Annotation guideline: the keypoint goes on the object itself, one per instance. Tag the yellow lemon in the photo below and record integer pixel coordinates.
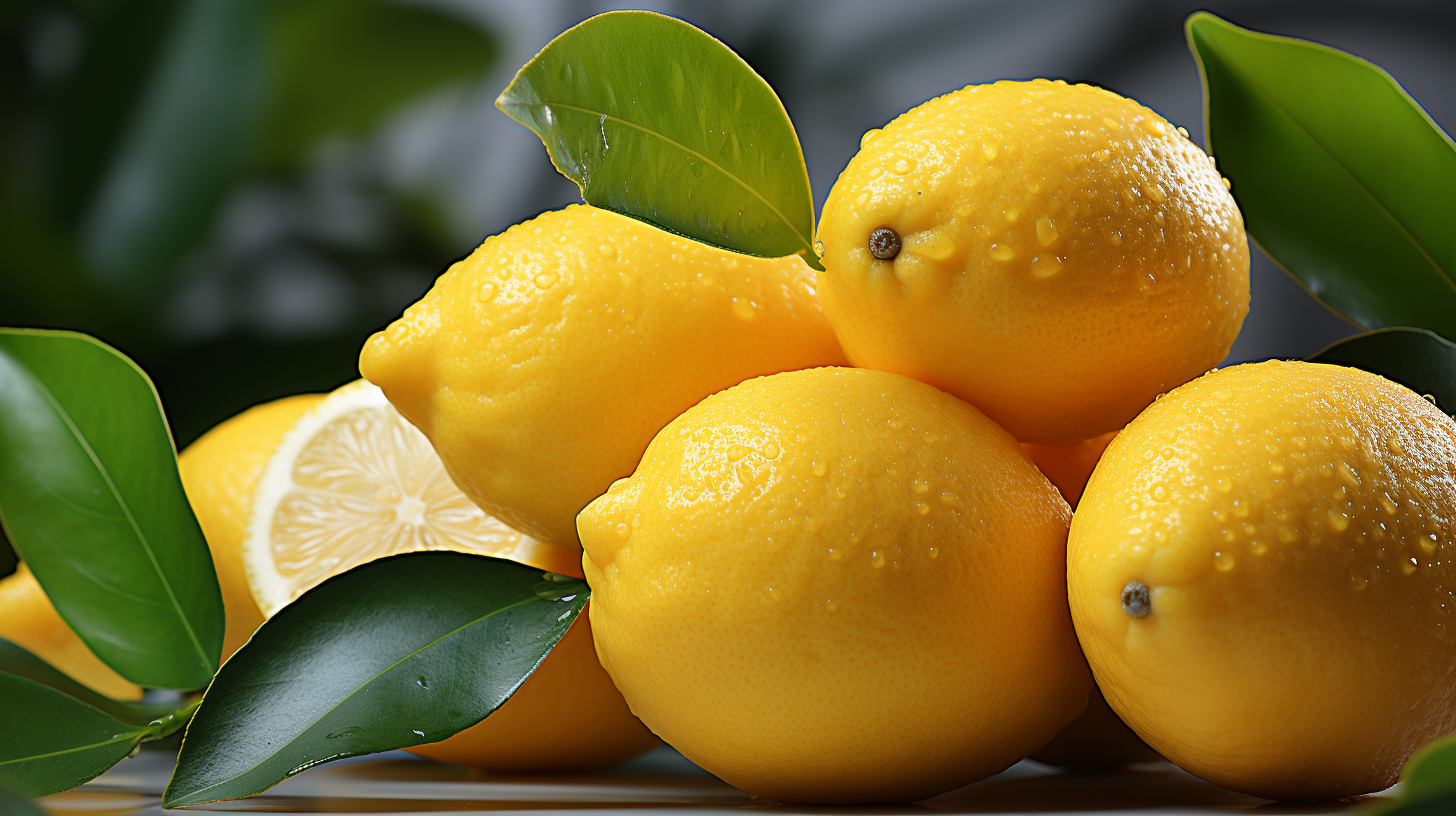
(1261, 573)
(30, 621)
(837, 586)
(1056, 254)
(541, 366)
(219, 472)
(1097, 740)
(352, 481)
(1069, 466)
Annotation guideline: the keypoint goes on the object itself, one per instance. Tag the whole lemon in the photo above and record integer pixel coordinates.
(541, 366)
(219, 472)
(1056, 254)
(837, 586)
(29, 620)
(1261, 574)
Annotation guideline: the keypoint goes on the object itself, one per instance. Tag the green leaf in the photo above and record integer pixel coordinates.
(341, 66)
(185, 144)
(657, 120)
(91, 499)
(21, 663)
(1431, 772)
(1341, 176)
(50, 741)
(12, 804)
(401, 651)
(1418, 359)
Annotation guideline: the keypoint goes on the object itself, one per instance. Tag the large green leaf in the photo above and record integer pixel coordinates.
(21, 663)
(657, 120)
(12, 804)
(1418, 359)
(50, 741)
(402, 651)
(340, 66)
(1431, 773)
(185, 144)
(1341, 176)
(91, 499)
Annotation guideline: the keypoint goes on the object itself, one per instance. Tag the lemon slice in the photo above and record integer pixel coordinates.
(353, 481)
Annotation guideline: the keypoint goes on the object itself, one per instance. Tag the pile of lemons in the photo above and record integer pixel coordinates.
(840, 584)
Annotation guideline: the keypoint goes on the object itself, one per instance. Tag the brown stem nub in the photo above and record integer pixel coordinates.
(884, 243)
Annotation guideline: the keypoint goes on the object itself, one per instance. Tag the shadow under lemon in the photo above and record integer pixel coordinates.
(1098, 740)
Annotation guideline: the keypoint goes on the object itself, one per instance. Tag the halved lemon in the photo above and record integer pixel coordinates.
(354, 481)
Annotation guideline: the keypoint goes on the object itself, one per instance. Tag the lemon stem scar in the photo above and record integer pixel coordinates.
(884, 243)
(1135, 599)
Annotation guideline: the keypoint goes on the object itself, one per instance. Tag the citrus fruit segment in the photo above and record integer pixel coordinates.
(353, 481)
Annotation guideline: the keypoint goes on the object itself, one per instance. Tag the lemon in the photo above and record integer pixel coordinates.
(541, 366)
(352, 481)
(1261, 574)
(1069, 466)
(1056, 254)
(30, 621)
(219, 472)
(567, 717)
(837, 586)
(1096, 741)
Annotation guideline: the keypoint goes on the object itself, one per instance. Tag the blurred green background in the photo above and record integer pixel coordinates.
(236, 193)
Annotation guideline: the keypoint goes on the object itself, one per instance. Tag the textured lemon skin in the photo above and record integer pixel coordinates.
(566, 718)
(541, 366)
(1067, 256)
(219, 472)
(1294, 524)
(30, 621)
(837, 586)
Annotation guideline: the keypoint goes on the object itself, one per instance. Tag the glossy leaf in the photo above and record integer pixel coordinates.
(1342, 178)
(1431, 773)
(657, 120)
(91, 500)
(21, 663)
(341, 66)
(12, 804)
(185, 144)
(1418, 359)
(50, 741)
(401, 651)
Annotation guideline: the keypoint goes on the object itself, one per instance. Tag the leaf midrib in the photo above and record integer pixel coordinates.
(740, 182)
(1268, 97)
(137, 733)
(131, 519)
(391, 667)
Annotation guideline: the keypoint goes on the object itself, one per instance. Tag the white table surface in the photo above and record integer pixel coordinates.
(659, 783)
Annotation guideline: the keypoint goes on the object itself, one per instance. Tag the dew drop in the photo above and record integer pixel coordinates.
(877, 559)
(1395, 446)
(989, 151)
(1002, 252)
(1339, 522)
(1223, 561)
(770, 451)
(1045, 267)
(737, 452)
(486, 293)
(903, 165)
(1046, 231)
(546, 280)
(868, 137)
(921, 486)
(608, 252)
(1408, 567)
(744, 310)
(820, 468)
